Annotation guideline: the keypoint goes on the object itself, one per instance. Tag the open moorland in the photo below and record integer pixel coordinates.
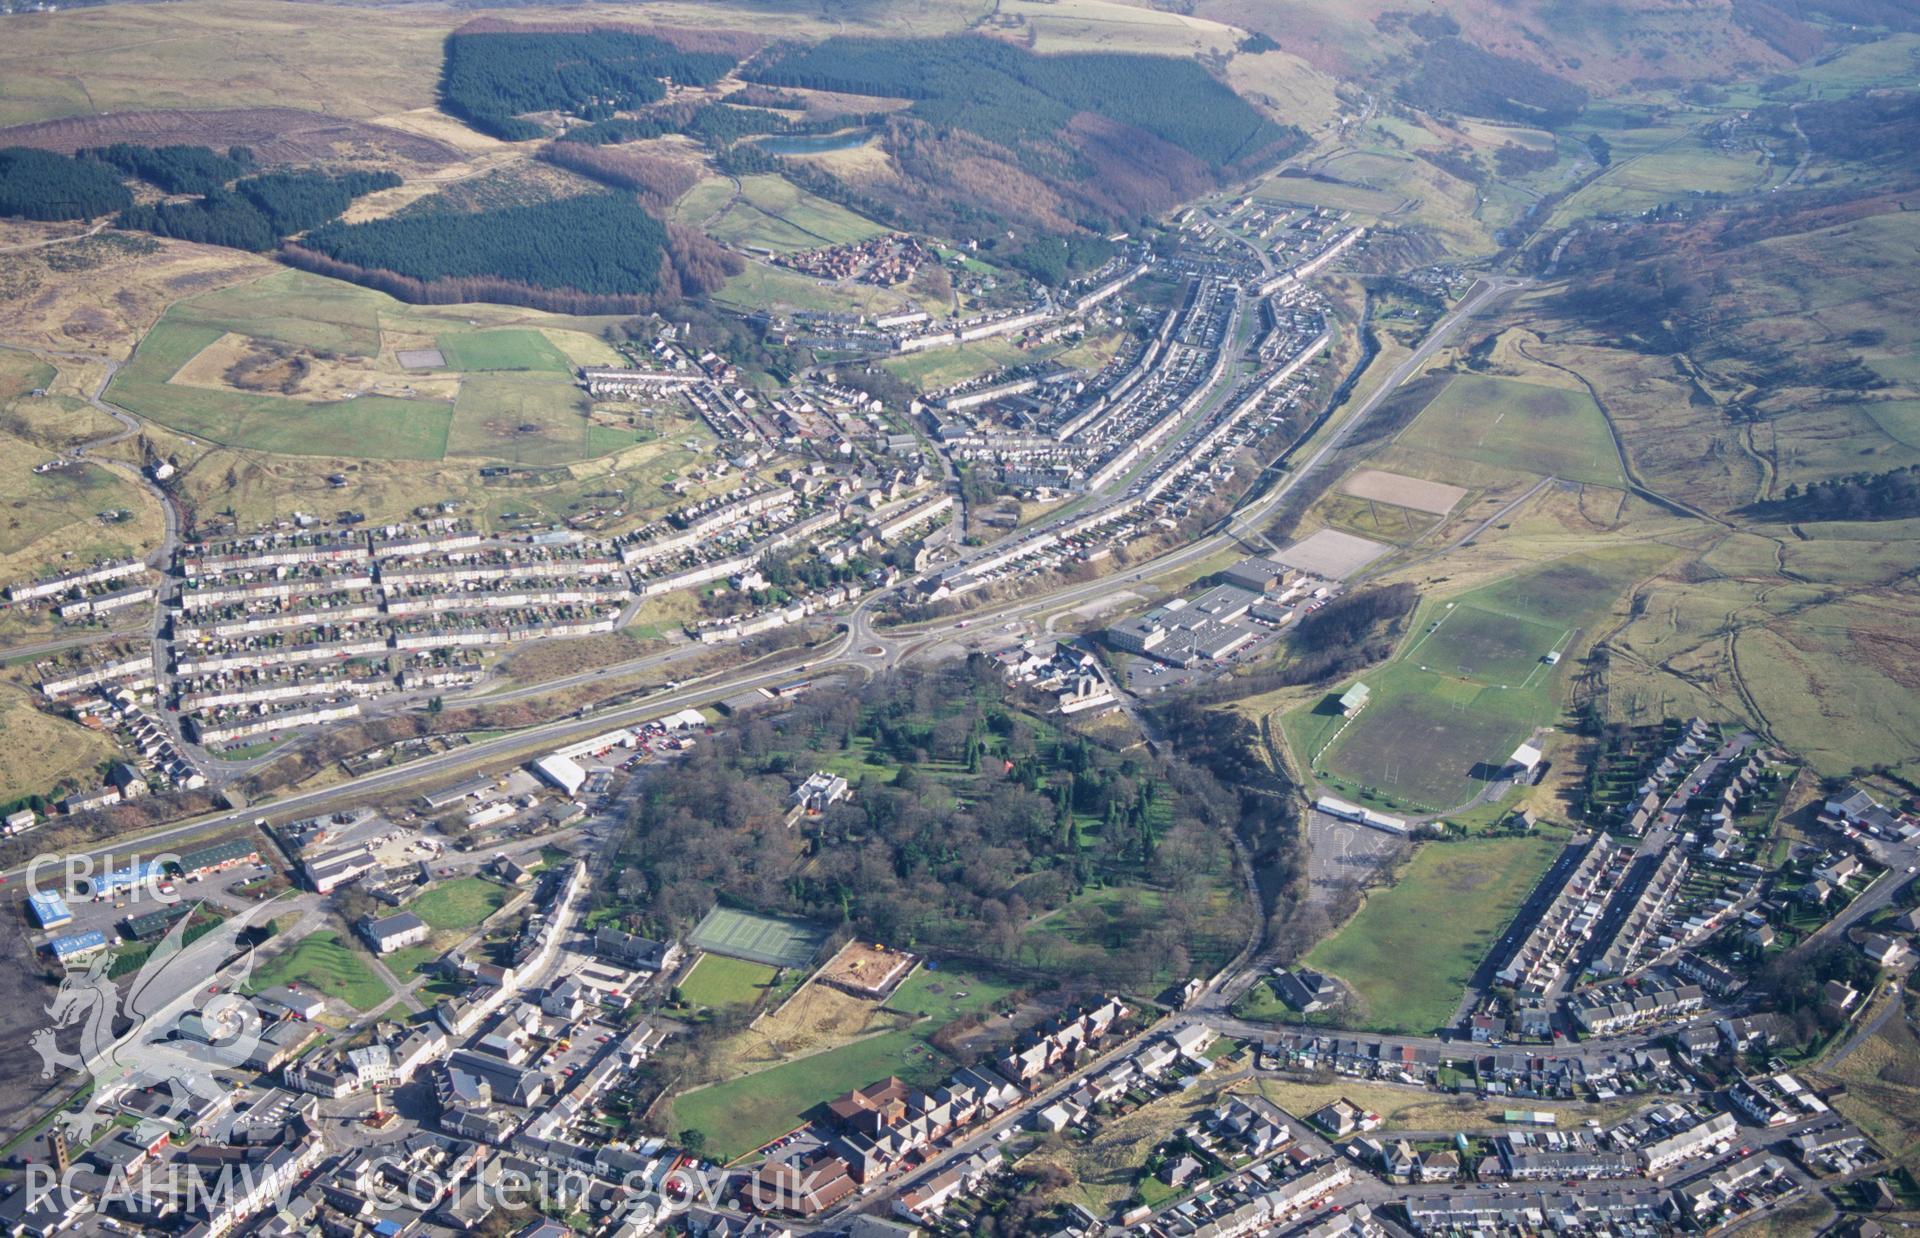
(1556, 431)
(54, 508)
(1798, 627)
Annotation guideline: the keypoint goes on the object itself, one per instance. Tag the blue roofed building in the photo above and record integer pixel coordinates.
(124, 878)
(77, 945)
(49, 910)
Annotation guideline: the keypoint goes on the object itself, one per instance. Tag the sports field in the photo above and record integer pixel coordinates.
(1498, 650)
(1419, 743)
(1410, 951)
(1466, 690)
(1528, 427)
(772, 940)
(325, 962)
(717, 981)
(1470, 685)
(509, 349)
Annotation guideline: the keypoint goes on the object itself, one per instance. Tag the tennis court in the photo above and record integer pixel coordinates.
(772, 940)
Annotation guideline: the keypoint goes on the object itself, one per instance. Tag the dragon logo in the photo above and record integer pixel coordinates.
(169, 1040)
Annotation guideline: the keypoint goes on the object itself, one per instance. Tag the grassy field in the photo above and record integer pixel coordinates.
(536, 417)
(1418, 1109)
(823, 1042)
(510, 349)
(1101, 1172)
(1684, 167)
(717, 981)
(410, 961)
(1813, 659)
(773, 214)
(1092, 25)
(742, 1114)
(855, 762)
(939, 368)
(506, 393)
(373, 427)
(1410, 951)
(1469, 686)
(293, 307)
(1806, 631)
(1821, 675)
(762, 286)
(79, 63)
(1419, 743)
(1374, 520)
(50, 420)
(1883, 1090)
(704, 200)
(230, 54)
(102, 295)
(1375, 173)
(325, 962)
(1487, 645)
(460, 904)
(1887, 62)
(1300, 191)
(632, 480)
(1552, 431)
(39, 751)
(54, 518)
(946, 991)
(818, 1017)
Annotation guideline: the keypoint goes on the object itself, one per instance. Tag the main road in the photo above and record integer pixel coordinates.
(860, 648)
